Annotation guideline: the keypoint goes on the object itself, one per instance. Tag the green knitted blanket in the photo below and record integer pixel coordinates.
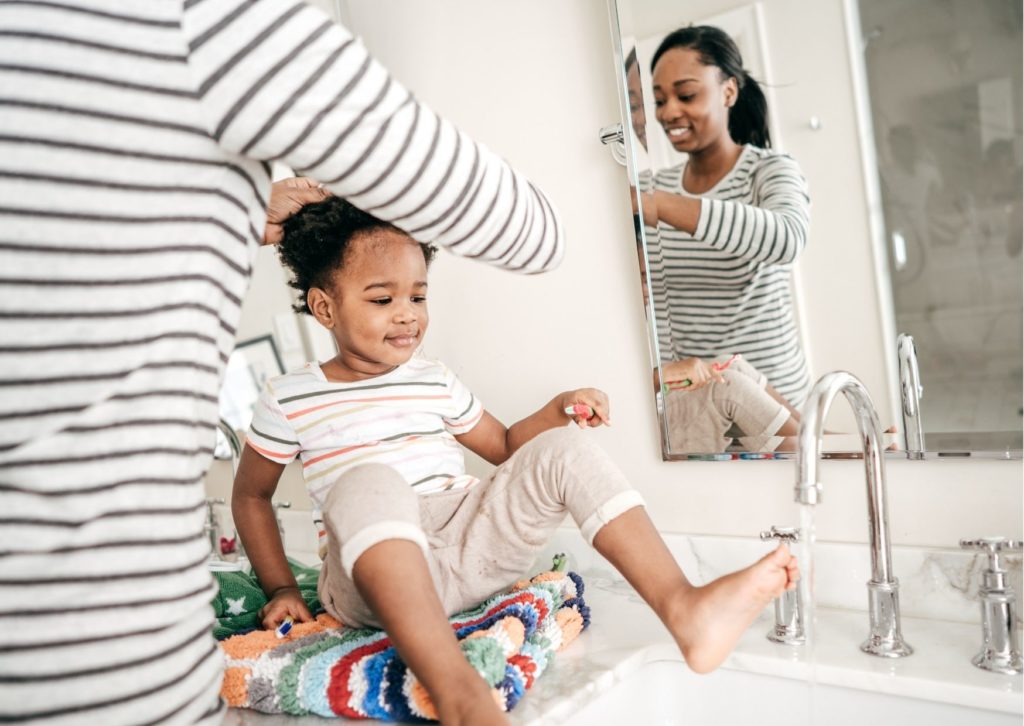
(240, 597)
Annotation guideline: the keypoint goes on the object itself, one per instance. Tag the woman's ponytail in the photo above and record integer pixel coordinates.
(748, 118)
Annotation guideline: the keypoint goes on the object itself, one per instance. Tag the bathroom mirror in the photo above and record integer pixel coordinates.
(904, 118)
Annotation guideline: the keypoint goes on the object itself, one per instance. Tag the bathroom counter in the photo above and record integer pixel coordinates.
(939, 670)
(626, 636)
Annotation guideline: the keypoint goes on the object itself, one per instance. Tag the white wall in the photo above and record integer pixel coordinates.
(534, 81)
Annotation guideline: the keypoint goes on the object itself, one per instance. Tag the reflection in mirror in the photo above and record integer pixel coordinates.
(948, 135)
(736, 125)
(250, 366)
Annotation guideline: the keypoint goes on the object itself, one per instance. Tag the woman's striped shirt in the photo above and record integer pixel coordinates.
(726, 288)
(407, 419)
(135, 141)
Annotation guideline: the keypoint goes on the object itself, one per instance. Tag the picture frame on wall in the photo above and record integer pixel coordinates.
(250, 366)
(262, 358)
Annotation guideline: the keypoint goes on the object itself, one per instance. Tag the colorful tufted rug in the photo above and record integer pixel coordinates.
(325, 669)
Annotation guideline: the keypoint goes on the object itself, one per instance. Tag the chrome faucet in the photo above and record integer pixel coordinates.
(278, 506)
(233, 444)
(789, 615)
(212, 528)
(885, 638)
(235, 448)
(1000, 651)
(910, 395)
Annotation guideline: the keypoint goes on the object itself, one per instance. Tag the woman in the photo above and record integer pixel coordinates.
(730, 221)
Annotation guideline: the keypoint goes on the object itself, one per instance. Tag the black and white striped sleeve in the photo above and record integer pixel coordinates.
(773, 229)
(278, 80)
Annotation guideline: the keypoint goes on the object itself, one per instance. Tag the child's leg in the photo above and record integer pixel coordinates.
(561, 470)
(395, 580)
(694, 423)
(705, 621)
(379, 571)
(740, 365)
(743, 400)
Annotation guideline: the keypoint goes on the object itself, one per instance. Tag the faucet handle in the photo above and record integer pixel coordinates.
(993, 547)
(789, 613)
(210, 503)
(278, 506)
(999, 650)
(282, 505)
(783, 534)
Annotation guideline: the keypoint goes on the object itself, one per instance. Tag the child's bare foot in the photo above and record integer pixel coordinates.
(710, 619)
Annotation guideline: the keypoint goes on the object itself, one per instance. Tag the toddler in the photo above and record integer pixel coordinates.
(407, 536)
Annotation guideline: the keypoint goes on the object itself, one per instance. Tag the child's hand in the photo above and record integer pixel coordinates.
(583, 399)
(689, 374)
(286, 602)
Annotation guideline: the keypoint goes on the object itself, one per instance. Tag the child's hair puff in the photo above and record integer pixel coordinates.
(316, 240)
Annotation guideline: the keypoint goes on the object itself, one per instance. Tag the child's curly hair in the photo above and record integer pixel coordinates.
(316, 240)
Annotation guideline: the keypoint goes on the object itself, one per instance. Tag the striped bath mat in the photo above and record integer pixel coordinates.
(325, 669)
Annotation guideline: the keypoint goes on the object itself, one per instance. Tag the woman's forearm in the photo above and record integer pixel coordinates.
(678, 211)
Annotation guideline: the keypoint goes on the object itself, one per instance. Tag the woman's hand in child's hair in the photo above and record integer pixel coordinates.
(287, 197)
(284, 602)
(588, 407)
(689, 374)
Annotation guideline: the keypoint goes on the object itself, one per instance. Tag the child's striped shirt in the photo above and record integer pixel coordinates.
(406, 419)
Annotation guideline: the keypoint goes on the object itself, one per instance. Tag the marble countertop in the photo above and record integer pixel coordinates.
(625, 635)
(939, 670)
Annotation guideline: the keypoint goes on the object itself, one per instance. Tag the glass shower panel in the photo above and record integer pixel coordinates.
(945, 83)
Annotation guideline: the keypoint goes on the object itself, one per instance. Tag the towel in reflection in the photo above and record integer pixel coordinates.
(329, 670)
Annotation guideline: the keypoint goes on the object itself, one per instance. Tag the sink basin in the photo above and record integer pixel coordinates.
(666, 692)
(226, 566)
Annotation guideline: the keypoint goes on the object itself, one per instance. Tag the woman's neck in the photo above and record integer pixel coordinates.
(708, 166)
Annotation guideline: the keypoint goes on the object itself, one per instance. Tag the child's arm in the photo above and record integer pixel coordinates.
(254, 486)
(492, 441)
(687, 374)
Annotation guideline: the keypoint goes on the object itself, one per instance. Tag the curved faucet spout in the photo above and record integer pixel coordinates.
(910, 395)
(885, 638)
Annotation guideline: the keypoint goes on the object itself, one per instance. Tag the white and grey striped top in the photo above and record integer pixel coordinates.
(134, 147)
(726, 288)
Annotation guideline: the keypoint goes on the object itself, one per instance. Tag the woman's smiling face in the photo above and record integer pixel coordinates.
(691, 100)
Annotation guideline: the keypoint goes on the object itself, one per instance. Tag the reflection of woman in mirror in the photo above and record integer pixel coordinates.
(635, 94)
(730, 221)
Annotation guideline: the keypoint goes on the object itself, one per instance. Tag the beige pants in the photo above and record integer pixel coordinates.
(700, 421)
(477, 541)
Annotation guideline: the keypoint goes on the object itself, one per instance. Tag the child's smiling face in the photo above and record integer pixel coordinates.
(377, 305)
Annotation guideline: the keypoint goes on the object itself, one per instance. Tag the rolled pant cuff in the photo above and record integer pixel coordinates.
(618, 504)
(376, 533)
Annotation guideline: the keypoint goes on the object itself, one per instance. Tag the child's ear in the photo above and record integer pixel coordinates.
(319, 303)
